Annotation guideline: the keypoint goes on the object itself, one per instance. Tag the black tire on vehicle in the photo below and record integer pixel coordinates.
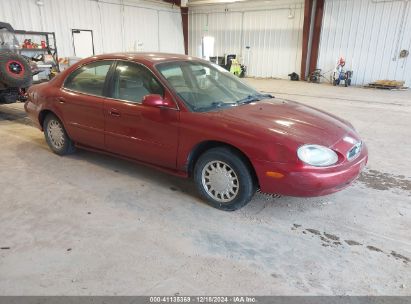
(224, 179)
(15, 71)
(56, 136)
(8, 97)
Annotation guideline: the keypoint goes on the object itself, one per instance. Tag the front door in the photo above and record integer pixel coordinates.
(82, 103)
(140, 132)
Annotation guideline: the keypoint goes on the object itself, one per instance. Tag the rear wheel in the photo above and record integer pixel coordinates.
(56, 136)
(224, 179)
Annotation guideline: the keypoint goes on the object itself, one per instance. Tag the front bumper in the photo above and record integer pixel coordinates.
(308, 182)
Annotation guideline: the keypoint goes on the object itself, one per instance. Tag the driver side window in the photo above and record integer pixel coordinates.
(132, 82)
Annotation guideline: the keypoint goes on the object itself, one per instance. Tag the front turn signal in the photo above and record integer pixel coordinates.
(274, 174)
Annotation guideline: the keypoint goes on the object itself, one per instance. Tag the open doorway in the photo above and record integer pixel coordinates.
(83, 43)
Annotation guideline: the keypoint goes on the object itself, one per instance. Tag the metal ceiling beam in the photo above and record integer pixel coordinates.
(175, 2)
(213, 2)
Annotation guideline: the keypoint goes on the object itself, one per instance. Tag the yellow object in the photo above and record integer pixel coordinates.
(235, 67)
(274, 174)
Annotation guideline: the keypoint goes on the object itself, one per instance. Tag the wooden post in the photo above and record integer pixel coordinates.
(316, 35)
(306, 35)
(312, 56)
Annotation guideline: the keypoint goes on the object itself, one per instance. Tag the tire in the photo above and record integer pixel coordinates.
(56, 136)
(15, 71)
(8, 97)
(222, 160)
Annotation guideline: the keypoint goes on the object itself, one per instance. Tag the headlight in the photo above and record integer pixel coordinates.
(318, 156)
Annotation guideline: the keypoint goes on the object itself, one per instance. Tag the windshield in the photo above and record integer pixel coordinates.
(206, 86)
(8, 40)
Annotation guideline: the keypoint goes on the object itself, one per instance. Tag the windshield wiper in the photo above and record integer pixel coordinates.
(255, 97)
(215, 105)
(268, 96)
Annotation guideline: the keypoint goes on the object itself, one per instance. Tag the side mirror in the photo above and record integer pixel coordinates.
(155, 100)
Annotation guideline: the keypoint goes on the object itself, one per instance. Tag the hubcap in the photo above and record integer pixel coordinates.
(56, 134)
(220, 181)
(15, 67)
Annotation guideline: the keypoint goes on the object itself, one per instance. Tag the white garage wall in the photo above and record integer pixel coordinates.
(370, 34)
(117, 25)
(171, 33)
(275, 40)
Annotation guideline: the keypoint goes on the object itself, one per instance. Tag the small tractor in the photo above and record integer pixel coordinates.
(16, 71)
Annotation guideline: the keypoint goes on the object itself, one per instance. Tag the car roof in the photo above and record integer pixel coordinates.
(152, 57)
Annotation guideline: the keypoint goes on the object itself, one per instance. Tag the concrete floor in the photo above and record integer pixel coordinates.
(89, 224)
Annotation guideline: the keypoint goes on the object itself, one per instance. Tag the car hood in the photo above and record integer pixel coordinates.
(284, 118)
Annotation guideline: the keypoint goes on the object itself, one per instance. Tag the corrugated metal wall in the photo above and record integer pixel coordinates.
(370, 34)
(117, 25)
(275, 40)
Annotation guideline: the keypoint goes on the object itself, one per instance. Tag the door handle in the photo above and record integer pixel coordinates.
(114, 112)
(61, 100)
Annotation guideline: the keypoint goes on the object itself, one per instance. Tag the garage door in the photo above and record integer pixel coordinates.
(274, 38)
(268, 41)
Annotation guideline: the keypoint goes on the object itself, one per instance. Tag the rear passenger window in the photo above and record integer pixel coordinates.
(133, 81)
(90, 78)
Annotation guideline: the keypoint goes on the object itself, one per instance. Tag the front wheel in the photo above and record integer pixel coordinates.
(224, 179)
(56, 136)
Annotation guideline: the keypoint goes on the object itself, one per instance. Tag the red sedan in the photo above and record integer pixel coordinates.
(192, 118)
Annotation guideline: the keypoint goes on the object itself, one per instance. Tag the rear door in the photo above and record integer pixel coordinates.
(82, 103)
(144, 133)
